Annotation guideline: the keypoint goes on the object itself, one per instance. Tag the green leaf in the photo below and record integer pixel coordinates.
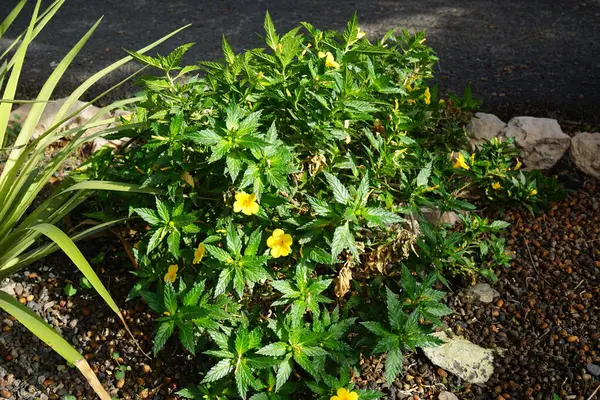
(227, 52)
(224, 279)
(424, 174)
(70, 290)
(218, 371)
(193, 295)
(163, 211)
(148, 215)
(253, 243)
(340, 193)
(276, 349)
(271, 37)
(170, 298)
(376, 328)
(165, 330)
(173, 242)
(343, 239)
(284, 371)
(409, 284)
(206, 137)
(234, 240)
(186, 336)
(243, 378)
(499, 225)
(218, 253)
(393, 364)
(381, 217)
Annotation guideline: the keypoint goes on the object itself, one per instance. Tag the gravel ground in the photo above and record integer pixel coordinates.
(546, 317)
(524, 57)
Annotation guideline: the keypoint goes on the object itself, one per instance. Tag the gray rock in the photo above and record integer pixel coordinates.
(585, 153)
(468, 361)
(484, 127)
(593, 369)
(482, 292)
(541, 141)
(432, 215)
(447, 396)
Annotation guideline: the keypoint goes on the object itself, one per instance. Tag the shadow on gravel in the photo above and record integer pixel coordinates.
(534, 57)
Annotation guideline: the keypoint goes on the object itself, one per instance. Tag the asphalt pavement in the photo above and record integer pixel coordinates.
(523, 57)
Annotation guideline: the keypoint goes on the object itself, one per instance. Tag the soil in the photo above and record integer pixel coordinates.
(546, 317)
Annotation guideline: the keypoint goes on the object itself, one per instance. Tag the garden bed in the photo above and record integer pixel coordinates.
(545, 315)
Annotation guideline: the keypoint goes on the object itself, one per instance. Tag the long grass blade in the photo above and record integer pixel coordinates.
(13, 80)
(11, 17)
(21, 261)
(66, 244)
(71, 250)
(38, 108)
(46, 334)
(115, 187)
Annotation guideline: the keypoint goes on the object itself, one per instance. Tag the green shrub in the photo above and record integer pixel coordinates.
(295, 178)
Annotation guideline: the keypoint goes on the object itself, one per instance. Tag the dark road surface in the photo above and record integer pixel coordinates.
(534, 57)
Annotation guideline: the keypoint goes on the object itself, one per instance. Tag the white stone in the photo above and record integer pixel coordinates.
(432, 215)
(447, 396)
(484, 127)
(541, 141)
(585, 153)
(468, 361)
(482, 292)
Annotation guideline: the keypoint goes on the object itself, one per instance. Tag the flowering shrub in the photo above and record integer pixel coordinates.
(291, 238)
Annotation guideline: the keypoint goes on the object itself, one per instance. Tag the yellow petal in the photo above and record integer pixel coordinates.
(287, 240)
(276, 252)
(199, 253)
(285, 250)
(241, 196)
(335, 398)
(321, 54)
(342, 392)
(252, 209)
(171, 274)
(278, 232)
(353, 396)
(272, 241)
(237, 206)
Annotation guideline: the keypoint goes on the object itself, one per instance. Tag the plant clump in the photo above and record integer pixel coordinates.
(290, 238)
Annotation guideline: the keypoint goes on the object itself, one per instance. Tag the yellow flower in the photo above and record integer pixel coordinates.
(330, 61)
(473, 158)
(280, 243)
(260, 75)
(427, 96)
(171, 274)
(245, 203)
(496, 185)
(533, 192)
(199, 253)
(460, 162)
(321, 54)
(345, 394)
(519, 164)
(360, 34)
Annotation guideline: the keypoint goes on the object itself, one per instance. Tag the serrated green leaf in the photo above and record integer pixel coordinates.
(340, 193)
(164, 332)
(218, 371)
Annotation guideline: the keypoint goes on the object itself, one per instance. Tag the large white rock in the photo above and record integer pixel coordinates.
(434, 216)
(19, 115)
(541, 141)
(484, 127)
(470, 362)
(585, 153)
